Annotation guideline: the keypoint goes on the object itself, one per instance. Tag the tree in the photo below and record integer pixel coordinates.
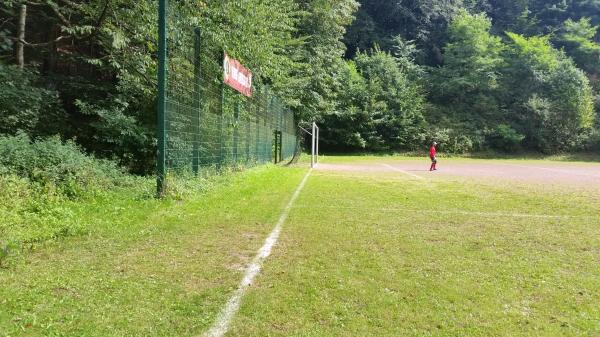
(552, 99)
(310, 88)
(422, 21)
(25, 105)
(380, 107)
(468, 80)
(100, 55)
(577, 38)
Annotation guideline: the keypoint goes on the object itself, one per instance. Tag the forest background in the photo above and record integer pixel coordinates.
(474, 75)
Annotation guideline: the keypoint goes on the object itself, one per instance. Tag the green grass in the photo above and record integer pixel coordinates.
(387, 255)
(361, 254)
(147, 267)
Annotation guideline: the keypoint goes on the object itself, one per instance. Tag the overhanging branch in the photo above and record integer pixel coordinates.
(42, 44)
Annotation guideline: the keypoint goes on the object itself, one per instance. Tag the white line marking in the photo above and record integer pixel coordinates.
(402, 171)
(564, 171)
(493, 214)
(221, 326)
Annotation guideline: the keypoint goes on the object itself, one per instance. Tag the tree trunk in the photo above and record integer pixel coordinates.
(21, 37)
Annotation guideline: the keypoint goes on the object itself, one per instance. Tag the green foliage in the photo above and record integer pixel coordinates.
(380, 107)
(42, 184)
(512, 15)
(57, 166)
(466, 89)
(552, 98)
(505, 138)
(578, 40)
(535, 52)
(317, 55)
(487, 86)
(91, 77)
(453, 140)
(425, 21)
(32, 212)
(103, 62)
(472, 60)
(25, 105)
(349, 126)
(118, 135)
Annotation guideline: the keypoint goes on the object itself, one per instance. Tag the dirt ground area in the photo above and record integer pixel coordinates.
(579, 174)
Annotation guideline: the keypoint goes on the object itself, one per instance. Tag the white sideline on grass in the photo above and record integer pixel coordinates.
(583, 174)
(402, 171)
(484, 214)
(221, 325)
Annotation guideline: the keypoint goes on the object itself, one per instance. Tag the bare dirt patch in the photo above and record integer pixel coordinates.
(534, 172)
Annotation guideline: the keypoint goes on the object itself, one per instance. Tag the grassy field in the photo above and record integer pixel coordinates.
(147, 267)
(364, 252)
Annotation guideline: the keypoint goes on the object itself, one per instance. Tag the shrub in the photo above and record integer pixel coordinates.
(43, 184)
(25, 105)
(553, 100)
(51, 162)
(452, 141)
(505, 138)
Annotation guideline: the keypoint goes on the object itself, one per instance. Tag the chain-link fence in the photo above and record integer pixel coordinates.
(203, 123)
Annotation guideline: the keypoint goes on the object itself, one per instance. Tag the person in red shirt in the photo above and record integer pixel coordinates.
(432, 156)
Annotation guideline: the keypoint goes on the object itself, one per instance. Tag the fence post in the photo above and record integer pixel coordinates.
(247, 121)
(280, 145)
(236, 131)
(197, 102)
(162, 100)
(221, 107)
(267, 152)
(257, 117)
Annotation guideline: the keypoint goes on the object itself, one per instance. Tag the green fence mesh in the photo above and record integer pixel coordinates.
(208, 125)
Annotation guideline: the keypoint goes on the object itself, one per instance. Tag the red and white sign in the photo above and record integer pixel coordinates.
(237, 76)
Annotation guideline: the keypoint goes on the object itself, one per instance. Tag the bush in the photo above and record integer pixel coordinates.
(43, 185)
(553, 99)
(593, 142)
(505, 138)
(452, 141)
(25, 105)
(56, 164)
(32, 213)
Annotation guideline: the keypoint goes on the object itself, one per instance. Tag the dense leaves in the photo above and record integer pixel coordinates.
(557, 108)
(380, 107)
(53, 164)
(465, 87)
(385, 75)
(26, 104)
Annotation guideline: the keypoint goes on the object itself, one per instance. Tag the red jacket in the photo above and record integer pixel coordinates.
(432, 152)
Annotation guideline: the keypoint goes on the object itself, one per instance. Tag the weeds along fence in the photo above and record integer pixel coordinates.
(203, 124)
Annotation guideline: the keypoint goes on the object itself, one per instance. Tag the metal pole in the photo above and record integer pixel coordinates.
(247, 121)
(312, 151)
(162, 101)
(280, 146)
(221, 107)
(197, 98)
(276, 146)
(257, 116)
(236, 133)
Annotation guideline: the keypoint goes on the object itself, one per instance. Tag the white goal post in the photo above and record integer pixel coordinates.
(314, 146)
